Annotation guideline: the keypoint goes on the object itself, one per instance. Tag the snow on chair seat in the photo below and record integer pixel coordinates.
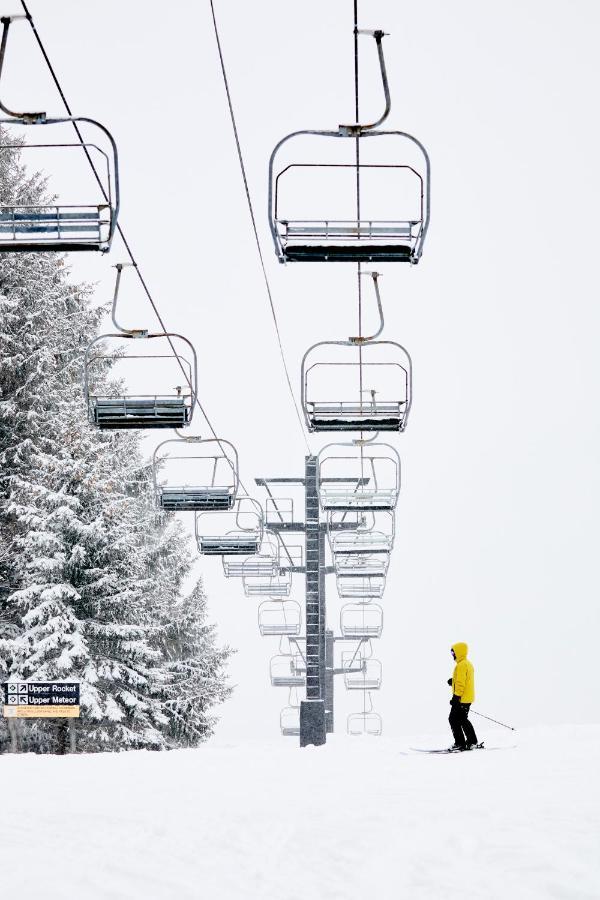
(361, 620)
(140, 412)
(237, 542)
(287, 671)
(279, 617)
(180, 499)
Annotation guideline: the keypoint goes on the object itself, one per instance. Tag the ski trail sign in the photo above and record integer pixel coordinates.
(41, 700)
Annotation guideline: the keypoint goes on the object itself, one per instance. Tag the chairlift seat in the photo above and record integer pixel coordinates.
(140, 412)
(181, 499)
(343, 416)
(58, 228)
(277, 618)
(361, 620)
(349, 241)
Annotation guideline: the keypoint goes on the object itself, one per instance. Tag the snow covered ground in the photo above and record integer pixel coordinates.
(356, 819)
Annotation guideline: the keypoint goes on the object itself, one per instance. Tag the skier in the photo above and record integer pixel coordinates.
(463, 694)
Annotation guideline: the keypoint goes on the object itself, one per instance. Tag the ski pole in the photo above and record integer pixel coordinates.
(493, 720)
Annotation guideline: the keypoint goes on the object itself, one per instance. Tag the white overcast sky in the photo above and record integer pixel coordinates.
(498, 520)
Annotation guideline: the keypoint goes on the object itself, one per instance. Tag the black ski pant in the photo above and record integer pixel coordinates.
(462, 730)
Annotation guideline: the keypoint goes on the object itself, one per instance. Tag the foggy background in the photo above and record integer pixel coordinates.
(497, 524)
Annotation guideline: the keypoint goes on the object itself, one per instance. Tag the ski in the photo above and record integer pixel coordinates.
(447, 750)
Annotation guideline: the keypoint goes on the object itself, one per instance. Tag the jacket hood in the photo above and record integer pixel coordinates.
(460, 650)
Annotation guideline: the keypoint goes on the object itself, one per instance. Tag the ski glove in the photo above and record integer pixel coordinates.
(449, 682)
(455, 700)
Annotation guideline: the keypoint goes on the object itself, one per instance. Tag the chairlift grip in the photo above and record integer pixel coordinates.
(133, 332)
(363, 340)
(357, 129)
(33, 116)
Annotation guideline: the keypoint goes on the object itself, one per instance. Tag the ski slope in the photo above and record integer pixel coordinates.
(356, 819)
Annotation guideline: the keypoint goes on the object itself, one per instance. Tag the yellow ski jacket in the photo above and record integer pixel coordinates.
(463, 677)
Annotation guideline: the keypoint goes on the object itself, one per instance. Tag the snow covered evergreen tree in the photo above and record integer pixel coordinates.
(92, 578)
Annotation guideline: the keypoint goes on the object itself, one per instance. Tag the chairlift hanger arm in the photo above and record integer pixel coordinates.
(357, 129)
(130, 332)
(363, 340)
(29, 116)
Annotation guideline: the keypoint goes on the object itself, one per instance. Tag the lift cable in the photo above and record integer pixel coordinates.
(119, 228)
(253, 218)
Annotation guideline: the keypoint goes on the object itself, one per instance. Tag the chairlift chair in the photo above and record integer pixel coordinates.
(136, 407)
(234, 532)
(361, 674)
(361, 620)
(287, 671)
(289, 721)
(359, 476)
(331, 395)
(393, 220)
(275, 586)
(214, 476)
(61, 225)
(364, 723)
(279, 617)
(263, 564)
